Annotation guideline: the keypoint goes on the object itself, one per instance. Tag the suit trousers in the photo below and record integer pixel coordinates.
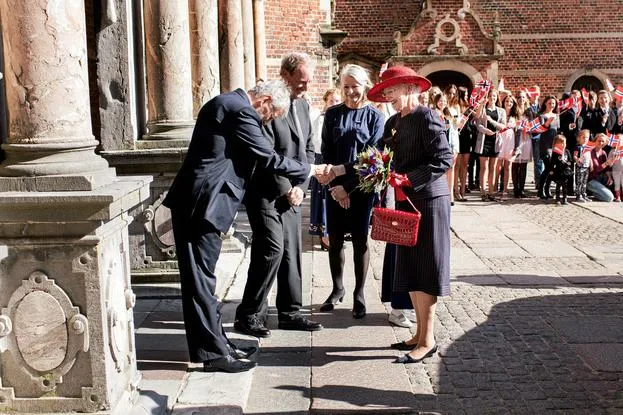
(198, 246)
(275, 253)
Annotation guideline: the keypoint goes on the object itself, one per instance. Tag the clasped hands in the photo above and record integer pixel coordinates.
(324, 173)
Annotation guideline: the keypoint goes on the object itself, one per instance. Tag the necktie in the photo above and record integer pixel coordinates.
(297, 123)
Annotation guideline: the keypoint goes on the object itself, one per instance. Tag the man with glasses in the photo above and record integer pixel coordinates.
(273, 208)
(227, 146)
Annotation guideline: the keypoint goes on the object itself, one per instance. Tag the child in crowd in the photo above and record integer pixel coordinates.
(582, 160)
(617, 169)
(560, 167)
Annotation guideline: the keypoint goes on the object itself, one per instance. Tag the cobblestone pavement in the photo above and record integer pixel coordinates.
(530, 349)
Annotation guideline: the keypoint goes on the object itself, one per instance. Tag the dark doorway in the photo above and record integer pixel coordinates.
(590, 83)
(444, 78)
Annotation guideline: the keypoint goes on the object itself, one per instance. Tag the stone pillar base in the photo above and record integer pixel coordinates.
(66, 322)
(169, 130)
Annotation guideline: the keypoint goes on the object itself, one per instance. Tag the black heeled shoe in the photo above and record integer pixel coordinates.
(403, 346)
(359, 310)
(334, 298)
(406, 359)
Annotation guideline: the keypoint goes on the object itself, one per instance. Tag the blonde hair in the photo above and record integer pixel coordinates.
(358, 74)
(560, 139)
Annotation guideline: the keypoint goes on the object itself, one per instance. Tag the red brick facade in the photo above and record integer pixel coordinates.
(549, 43)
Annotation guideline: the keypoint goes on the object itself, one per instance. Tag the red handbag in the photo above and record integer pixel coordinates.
(395, 226)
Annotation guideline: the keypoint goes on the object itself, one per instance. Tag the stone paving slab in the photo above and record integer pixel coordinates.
(590, 329)
(605, 357)
(548, 248)
(535, 278)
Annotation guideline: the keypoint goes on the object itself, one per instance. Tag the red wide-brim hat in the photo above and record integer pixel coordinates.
(397, 75)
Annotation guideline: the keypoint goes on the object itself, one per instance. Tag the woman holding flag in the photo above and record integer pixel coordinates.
(492, 119)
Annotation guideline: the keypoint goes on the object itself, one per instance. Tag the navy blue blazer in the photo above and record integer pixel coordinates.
(226, 146)
(422, 152)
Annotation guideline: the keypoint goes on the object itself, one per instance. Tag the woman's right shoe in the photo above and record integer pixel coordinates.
(334, 298)
(359, 310)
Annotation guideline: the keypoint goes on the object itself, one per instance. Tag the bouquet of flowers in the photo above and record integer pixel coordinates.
(374, 167)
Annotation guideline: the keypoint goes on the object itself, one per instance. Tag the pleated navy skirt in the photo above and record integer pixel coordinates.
(426, 266)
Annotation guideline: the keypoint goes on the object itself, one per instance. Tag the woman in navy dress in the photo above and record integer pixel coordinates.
(422, 153)
(349, 128)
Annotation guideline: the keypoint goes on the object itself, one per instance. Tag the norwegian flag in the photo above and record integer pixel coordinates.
(613, 139)
(481, 89)
(609, 85)
(590, 145)
(618, 92)
(559, 149)
(577, 106)
(535, 127)
(585, 95)
(522, 124)
(566, 104)
(383, 69)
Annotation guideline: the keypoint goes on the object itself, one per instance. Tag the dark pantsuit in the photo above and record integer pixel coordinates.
(198, 246)
(275, 253)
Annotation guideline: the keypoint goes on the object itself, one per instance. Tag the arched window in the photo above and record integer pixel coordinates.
(444, 78)
(588, 82)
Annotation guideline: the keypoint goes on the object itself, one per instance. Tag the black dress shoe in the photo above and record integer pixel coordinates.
(359, 310)
(252, 326)
(406, 359)
(403, 346)
(242, 352)
(227, 364)
(300, 323)
(334, 298)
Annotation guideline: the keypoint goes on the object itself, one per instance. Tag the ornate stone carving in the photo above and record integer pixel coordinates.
(453, 35)
(45, 332)
(5, 326)
(496, 31)
(156, 219)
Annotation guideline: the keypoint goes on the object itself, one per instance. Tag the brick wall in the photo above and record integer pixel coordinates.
(548, 42)
(293, 25)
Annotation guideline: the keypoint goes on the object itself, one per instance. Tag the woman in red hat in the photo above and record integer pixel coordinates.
(422, 153)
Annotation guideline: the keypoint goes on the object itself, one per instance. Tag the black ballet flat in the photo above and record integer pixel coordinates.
(406, 359)
(334, 298)
(402, 346)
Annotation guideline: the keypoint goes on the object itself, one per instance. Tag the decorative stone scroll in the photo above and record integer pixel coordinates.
(453, 36)
(44, 330)
(156, 219)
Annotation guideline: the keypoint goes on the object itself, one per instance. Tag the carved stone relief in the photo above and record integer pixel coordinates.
(44, 331)
(447, 30)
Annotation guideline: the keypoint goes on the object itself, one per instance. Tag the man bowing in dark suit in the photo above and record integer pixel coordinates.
(226, 147)
(273, 207)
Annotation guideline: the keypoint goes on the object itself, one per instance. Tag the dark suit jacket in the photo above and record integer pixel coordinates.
(268, 189)
(226, 146)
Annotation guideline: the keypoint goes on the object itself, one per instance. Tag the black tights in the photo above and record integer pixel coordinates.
(361, 260)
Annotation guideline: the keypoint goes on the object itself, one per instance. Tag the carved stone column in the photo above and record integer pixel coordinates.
(232, 55)
(169, 81)
(260, 39)
(205, 59)
(249, 43)
(66, 322)
(50, 143)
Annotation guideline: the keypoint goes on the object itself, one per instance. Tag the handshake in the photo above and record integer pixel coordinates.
(324, 173)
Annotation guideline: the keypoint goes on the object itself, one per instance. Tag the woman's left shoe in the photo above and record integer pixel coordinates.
(359, 310)
(406, 359)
